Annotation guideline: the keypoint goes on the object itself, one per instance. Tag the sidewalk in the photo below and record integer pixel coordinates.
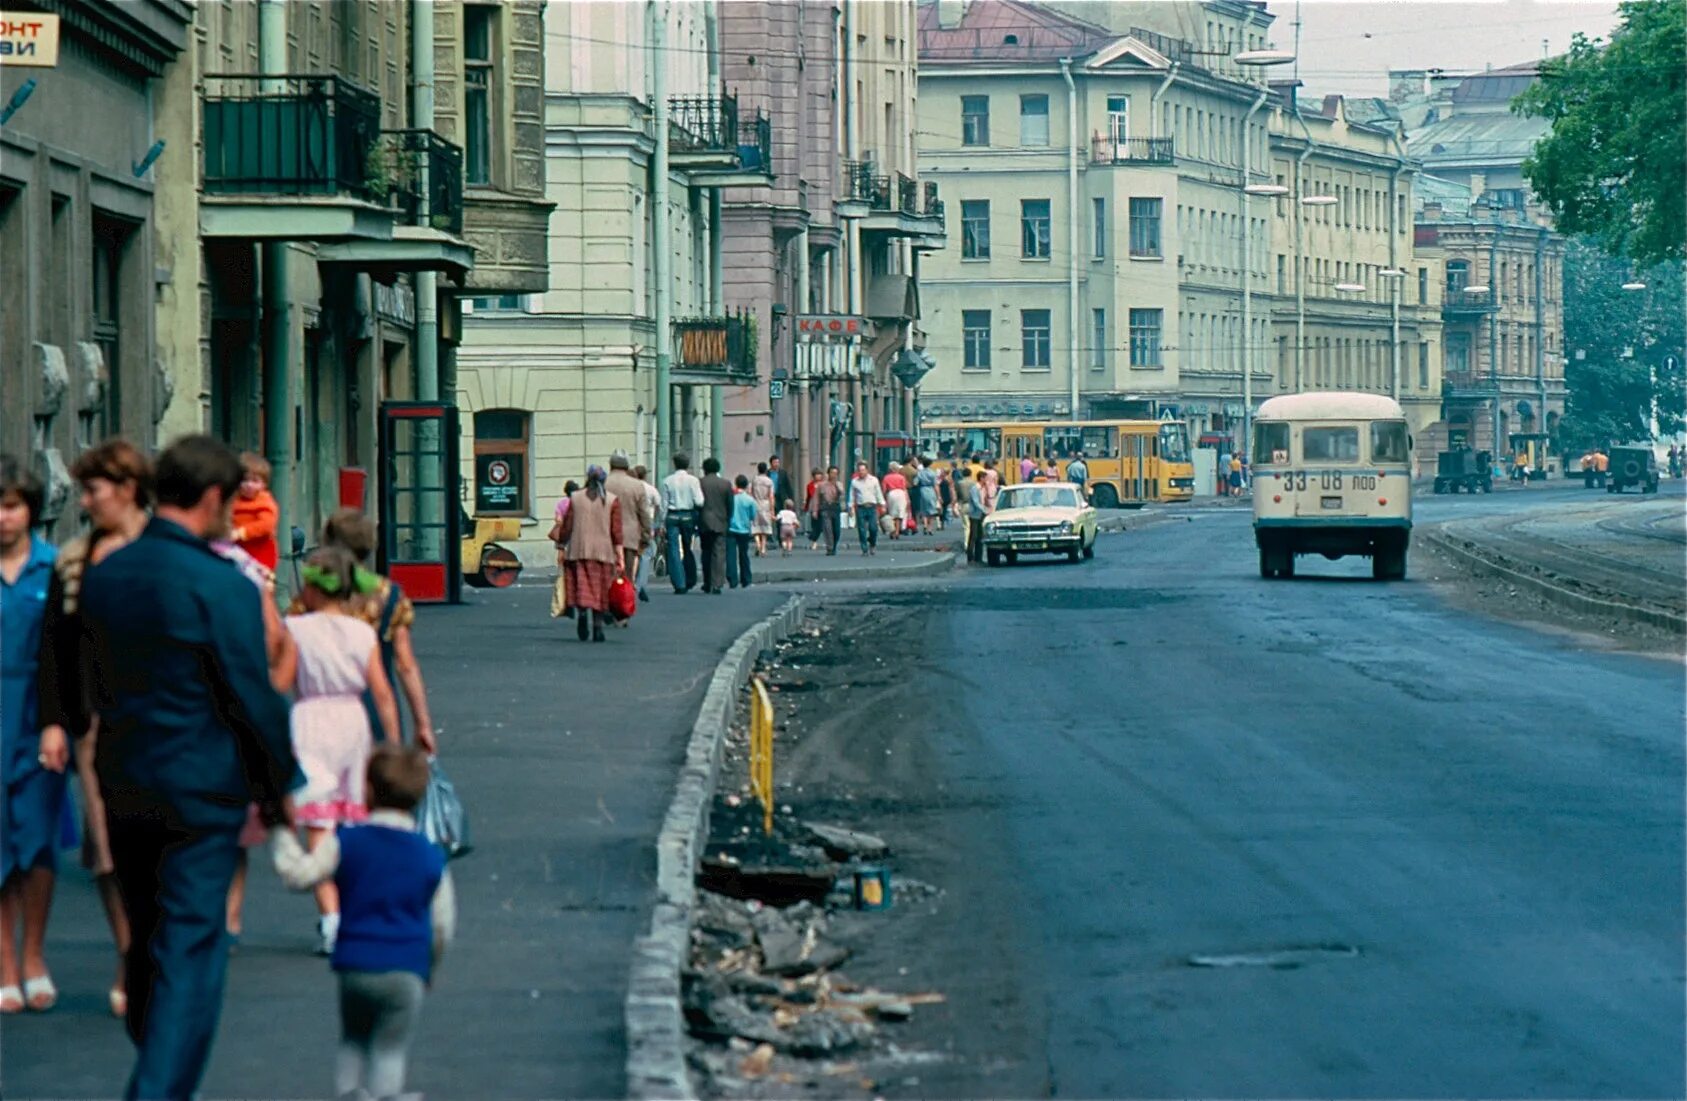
(566, 756)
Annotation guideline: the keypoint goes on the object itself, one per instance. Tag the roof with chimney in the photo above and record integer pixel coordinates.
(1006, 30)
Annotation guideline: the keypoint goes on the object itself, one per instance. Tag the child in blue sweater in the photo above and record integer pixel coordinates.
(398, 912)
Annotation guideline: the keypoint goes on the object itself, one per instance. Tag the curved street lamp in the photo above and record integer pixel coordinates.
(1634, 285)
(1350, 288)
(1262, 58)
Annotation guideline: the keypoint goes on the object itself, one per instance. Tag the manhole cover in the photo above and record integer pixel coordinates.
(1281, 959)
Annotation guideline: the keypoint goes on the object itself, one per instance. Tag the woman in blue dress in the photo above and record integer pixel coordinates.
(32, 775)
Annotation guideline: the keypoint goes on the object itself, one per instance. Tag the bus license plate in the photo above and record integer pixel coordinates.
(1331, 502)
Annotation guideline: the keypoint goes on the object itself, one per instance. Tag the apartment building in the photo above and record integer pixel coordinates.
(1354, 305)
(1094, 178)
(82, 242)
(831, 247)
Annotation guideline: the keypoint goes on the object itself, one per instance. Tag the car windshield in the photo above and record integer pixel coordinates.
(1037, 497)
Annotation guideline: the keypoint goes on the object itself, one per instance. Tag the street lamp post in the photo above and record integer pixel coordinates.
(1254, 59)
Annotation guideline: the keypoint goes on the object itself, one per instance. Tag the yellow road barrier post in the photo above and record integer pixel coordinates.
(761, 749)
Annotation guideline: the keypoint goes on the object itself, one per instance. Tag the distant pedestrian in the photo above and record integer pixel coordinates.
(977, 510)
(400, 914)
(1078, 473)
(560, 607)
(1235, 478)
(715, 515)
(788, 525)
(928, 505)
(634, 532)
(1674, 461)
(191, 730)
(783, 488)
(828, 505)
(946, 493)
(809, 509)
(990, 482)
(740, 529)
(594, 557)
(655, 518)
(867, 502)
(255, 513)
(682, 501)
(761, 491)
(1027, 468)
(895, 486)
(32, 767)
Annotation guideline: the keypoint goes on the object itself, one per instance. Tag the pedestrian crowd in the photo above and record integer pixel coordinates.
(149, 659)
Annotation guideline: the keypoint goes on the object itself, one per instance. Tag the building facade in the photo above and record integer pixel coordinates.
(837, 235)
(79, 352)
(1099, 231)
(1354, 304)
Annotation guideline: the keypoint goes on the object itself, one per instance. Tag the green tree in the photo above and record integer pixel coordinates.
(1614, 166)
(1618, 346)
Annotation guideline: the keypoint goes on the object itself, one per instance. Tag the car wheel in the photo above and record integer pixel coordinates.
(994, 557)
(1012, 557)
(1089, 548)
(1073, 555)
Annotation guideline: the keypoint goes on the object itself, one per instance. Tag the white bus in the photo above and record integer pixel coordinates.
(1332, 475)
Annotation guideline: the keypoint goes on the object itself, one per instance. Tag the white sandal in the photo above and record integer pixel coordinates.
(11, 999)
(40, 993)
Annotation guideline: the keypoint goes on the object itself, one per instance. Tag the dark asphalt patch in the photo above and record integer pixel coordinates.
(992, 599)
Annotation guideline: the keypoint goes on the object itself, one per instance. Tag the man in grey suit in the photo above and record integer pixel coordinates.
(717, 512)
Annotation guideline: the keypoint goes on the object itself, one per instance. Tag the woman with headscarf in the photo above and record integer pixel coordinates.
(592, 555)
(559, 591)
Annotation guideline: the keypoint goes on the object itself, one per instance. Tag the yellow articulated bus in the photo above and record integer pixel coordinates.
(1130, 462)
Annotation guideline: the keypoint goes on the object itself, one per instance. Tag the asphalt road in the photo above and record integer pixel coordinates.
(1424, 854)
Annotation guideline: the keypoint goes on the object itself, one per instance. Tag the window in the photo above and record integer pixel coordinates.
(1033, 120)
(110, 237)
(975, 340)
(1282, 273)
(1145, 337)
(1098, 339)
(1423, 366)
(500, 462)
(1389, 442)
(1271, 442)
(1034, 229)
(1034, 339)
(975, 229)
(1118, 119)
(975, 120)
(1100, 221)
(1145, 227)
(1330, 445)
(504, 303)
(1458, 275)
(477, 92)
(1423, 286)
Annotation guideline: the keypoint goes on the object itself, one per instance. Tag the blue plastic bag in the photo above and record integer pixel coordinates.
(440, 817)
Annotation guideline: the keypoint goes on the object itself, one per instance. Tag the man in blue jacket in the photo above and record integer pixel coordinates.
(191, 730)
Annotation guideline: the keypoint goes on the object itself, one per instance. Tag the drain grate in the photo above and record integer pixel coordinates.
(1280, 959)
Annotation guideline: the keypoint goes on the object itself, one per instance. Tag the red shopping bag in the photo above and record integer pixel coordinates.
(623, 600)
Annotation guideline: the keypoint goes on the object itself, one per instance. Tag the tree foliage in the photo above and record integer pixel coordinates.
(1614, 166)
(1617, 345)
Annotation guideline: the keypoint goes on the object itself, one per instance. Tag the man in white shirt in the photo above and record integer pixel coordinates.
(654, 514)
(682, 502)
(867, 498)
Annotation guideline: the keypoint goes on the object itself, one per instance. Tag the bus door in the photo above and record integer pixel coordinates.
(1018, 444)
(1136, 481)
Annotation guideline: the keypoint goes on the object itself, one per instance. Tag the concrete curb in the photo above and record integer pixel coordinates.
(656, 1064)
(1466, 551)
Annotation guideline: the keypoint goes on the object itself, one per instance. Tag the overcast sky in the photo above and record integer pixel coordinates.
(1349, 45)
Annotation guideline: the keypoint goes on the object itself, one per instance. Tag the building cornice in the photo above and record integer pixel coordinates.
(142, 36)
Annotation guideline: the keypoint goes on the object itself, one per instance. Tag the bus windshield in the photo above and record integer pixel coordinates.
(1174, 443)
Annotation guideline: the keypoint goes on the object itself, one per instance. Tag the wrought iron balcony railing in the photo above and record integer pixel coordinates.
(1467, 383)
(1463, 301)
(289, 135)
(714, 124)
(398, 178)
(894, 193)
(719, 346)
(1106, 149)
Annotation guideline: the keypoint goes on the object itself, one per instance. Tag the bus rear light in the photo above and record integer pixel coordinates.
(1382, 500)
(1276, 498)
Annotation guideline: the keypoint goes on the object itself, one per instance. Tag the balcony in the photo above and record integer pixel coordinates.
(415, 164)
(1462, 303)
(893, 204)
(716, 351)
(1107, 149)
(1470, 385)
(712, 142)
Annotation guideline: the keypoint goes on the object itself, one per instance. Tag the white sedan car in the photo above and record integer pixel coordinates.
(1040, 518)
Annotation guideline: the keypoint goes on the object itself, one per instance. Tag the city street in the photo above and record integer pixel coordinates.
(1228, 837)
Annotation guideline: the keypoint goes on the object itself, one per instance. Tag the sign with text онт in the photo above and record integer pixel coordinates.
(29, 39)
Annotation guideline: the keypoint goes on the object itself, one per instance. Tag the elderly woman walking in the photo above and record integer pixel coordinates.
(592, 557)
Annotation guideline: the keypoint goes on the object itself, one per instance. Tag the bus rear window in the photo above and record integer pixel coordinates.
(1330, 445)
(1271, 443)
(1389, 442)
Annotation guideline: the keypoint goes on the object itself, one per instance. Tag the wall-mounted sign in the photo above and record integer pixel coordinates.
(820, 326)
(498, 480)
(29, 38)
(938, 409)
(396, 303)
(776, 389)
